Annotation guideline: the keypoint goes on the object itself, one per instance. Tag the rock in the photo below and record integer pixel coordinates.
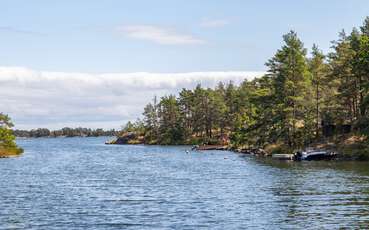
(126, 138)
(254, 151)
(210, 147)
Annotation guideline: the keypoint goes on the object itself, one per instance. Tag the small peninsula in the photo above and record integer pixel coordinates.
(306, 99)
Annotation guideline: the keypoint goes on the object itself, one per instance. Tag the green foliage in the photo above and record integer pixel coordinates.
(278, 148)
(171, 125)
(285, 110)
(7, 138)
(289, 73)
(151, 122)
(137, 126)
(65, 132)
(319, 91)
(356, 151)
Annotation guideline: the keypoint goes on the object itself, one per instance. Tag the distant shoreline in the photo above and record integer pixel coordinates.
(53, 137)
(64, 132)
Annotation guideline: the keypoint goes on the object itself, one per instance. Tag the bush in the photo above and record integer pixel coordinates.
(278, 148)
(356, 151)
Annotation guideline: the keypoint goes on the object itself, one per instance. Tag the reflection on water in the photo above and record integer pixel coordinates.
(323, 193)
(79, 183)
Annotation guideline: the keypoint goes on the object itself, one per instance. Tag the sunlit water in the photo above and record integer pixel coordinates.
(80, 183)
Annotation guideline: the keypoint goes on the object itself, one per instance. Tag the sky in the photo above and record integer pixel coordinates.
(97, 63)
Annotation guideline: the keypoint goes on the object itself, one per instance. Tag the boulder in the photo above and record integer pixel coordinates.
(126, 138)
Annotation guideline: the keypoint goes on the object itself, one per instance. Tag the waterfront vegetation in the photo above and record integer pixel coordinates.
(304, 99)
(65, 132)
(8, 146)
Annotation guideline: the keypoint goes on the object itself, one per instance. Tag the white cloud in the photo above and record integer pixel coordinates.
(159, 35)
(213, 23)
(57, 99)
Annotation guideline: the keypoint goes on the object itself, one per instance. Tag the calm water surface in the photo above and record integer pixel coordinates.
(80, 183)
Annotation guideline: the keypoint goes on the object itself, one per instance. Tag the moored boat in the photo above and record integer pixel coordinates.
(283, 156)
(315, 154)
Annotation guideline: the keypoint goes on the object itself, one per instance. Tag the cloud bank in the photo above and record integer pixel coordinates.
(57, 99)
(160, 35)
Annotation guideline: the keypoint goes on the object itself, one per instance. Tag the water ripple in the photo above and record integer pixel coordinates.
(77, 183)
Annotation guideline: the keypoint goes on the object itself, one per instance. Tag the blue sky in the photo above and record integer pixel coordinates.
(97, 63)
(92, 36)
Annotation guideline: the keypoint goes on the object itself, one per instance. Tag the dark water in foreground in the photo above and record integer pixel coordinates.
(79, 183)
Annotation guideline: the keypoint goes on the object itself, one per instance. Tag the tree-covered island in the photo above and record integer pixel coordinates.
(8, 146)
(64, 132)
(305, 99)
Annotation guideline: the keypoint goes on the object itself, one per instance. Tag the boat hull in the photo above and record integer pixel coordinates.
(319, 157)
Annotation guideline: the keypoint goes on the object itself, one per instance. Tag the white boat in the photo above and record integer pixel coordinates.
(283, 156)
(314, 154)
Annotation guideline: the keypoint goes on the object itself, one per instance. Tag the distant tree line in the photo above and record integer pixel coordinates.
(65, 132)
(302, 99)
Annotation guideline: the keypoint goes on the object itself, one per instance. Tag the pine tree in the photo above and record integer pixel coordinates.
(362, 65)
(186, 106)
(288, 69)
(171, 130)
(365, 27)
(341, 65)
(318, 70)
(7, 138)
(151, 122)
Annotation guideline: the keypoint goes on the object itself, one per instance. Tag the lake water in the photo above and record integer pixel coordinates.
(80, 183)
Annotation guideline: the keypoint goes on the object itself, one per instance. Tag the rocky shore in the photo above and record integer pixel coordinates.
(127, 138)
(347, 148)
(7, 153)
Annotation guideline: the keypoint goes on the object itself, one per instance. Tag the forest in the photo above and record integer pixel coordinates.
(305, 98)
(64, 132)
